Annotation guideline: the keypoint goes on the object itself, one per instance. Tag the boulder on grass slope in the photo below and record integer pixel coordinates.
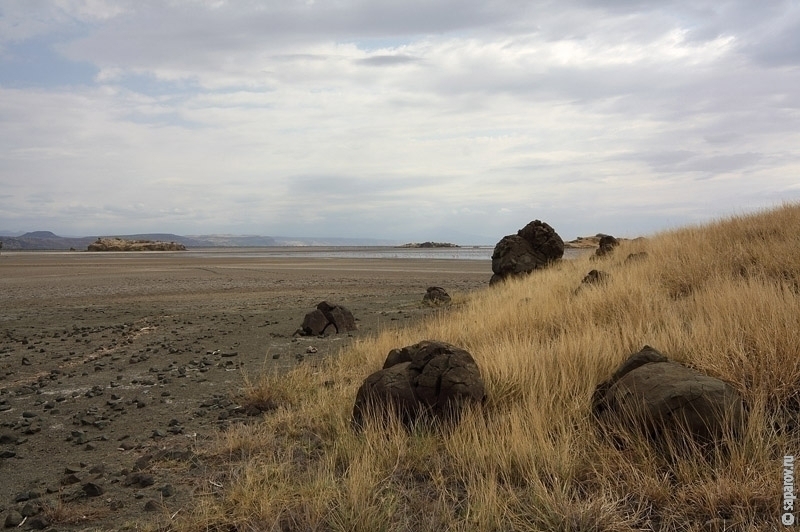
(534, 246)
(658, 397)
(428, 381)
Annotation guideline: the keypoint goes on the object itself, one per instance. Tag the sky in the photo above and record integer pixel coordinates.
(408, 120)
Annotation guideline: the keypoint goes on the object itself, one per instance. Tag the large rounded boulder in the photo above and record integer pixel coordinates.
(658, 397)
(534, 246)
(428, 381)
(327, 318)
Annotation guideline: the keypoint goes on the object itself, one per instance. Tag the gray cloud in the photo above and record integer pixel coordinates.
(388, 60)
(389, 118)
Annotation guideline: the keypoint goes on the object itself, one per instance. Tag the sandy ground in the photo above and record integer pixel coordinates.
(113, 362)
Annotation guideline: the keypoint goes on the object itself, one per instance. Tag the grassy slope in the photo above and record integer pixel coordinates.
(722, 298)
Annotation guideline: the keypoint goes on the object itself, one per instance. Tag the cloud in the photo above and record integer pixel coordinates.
(378, 118)
(388, 60)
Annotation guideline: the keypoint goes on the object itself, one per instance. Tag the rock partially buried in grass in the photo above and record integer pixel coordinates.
(428, 381)
(595, 277)
(435, 296)
(606, 245)
(661, 398)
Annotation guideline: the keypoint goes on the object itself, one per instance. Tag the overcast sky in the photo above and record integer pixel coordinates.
(458, 120)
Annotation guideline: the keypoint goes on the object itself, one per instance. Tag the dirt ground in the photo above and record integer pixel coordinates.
(112, 363)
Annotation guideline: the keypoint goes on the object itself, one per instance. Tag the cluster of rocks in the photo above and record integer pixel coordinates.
(37, 508)
(606, 245)
(102, 406)
(432, 382)
(121, 244)
(332, 318)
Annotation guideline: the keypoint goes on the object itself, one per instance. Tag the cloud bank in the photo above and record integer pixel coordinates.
(408, 120)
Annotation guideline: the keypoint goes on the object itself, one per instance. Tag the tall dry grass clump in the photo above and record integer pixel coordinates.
(723, 298)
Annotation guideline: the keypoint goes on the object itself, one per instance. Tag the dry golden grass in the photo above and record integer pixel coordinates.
(722, 298)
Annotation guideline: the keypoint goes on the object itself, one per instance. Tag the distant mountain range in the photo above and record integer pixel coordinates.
(46, 240)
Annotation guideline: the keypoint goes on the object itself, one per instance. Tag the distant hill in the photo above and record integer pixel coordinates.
(332, 241)
(44, 240)
(47, 240)
(211, 241)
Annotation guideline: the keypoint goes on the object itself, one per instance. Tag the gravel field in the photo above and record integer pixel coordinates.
(115, 367)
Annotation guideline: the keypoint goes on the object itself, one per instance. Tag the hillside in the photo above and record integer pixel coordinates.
(44, 240)
(721, 298)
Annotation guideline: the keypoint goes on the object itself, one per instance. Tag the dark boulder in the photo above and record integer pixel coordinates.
(328, 318)
(606, 245)
(658, 397)
(430, 381)
(543, 239)
(314, 323)
(534, 246)
(436, 295)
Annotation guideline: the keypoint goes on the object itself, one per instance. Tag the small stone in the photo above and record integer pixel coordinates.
(72, 469)
(66, 480)
(40, 522)
(168, 490)
(92, 489)
(30, 509)
(140, 480)
(152, 506)
(79, 437)
(143, 462)
(13, 519)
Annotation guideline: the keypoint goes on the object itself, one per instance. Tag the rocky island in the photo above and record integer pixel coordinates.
(120, 244)
(429, 245)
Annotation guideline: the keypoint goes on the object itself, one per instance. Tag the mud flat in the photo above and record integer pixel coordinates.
(114, 366)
